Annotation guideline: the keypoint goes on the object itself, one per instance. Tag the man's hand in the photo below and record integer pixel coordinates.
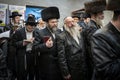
(26, 42)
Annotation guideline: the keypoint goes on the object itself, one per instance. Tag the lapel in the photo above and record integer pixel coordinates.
(48, 33)
(73, 41)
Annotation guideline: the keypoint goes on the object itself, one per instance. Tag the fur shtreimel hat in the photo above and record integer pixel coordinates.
(50, 13)
(14, 14)
(113, 5)
(93, 7)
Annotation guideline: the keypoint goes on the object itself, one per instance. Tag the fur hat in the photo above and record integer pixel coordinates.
(14, 14)
(50, 13)
(94, 7)
(113, 5)
(31, 21)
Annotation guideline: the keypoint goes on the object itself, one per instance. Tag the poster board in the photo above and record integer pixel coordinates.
(35, 10)
(20, 9)
(3, 8)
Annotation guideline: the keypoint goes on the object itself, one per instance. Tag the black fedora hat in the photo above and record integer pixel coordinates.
(15, 13)
(31, 21)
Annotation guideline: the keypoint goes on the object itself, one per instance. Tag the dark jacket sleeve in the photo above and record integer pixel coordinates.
(17, 42)
(62, 56)
(39, 45)
(106, 61)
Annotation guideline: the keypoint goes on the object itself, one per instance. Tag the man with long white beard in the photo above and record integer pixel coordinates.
(70, 51)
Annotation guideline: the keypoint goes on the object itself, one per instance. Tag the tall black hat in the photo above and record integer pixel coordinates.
(50, 13)
(95, 6)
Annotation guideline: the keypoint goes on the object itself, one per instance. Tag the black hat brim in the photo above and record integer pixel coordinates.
(31, 23)
(15, 16)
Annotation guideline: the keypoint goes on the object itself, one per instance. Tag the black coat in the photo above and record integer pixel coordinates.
(87, 34)
(71, 56)
(4, 75)
(106, 53)
(23, 64)
(48, 61)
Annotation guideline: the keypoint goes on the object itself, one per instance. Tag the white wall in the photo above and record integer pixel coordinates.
(65, 6)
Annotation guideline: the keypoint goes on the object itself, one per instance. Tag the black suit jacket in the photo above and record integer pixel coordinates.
(48, 64)
(18, 38)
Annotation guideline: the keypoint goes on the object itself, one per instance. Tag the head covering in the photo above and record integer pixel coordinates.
(113, 5)
(14, 14)
(94, 7)
(50, 13)
(78, 13)
(31, 21)
(86, 15)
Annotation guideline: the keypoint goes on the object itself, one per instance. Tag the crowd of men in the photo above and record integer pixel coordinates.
(83, 50)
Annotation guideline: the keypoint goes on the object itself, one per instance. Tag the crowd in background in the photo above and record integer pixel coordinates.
(83, 50)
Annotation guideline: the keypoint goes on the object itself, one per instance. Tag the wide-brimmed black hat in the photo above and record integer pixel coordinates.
(113, 5)
(31, 21)
(50, 13)
(14, 14)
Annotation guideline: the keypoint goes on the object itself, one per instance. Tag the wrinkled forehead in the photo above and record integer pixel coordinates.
(68, 19)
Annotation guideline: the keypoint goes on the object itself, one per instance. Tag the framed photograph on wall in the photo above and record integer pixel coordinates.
(35, 10)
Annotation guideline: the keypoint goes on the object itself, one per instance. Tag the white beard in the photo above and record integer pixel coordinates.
(74, 32)
(99, 22)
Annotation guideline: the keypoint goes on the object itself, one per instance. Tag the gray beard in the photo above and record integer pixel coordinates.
(73, 31)
(53, 30)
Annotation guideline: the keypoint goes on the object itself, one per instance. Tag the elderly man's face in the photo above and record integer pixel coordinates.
(41, 23)
(69, 21)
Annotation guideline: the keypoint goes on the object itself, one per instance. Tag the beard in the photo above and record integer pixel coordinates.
(52, 29)
(99, 22)
(73, 31)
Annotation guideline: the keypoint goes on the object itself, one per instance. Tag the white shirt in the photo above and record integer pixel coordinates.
(29, 35)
